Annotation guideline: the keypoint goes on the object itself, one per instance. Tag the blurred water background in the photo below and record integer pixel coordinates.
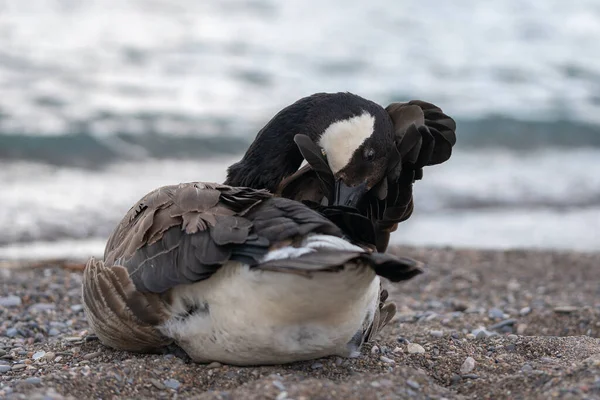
(104, 100)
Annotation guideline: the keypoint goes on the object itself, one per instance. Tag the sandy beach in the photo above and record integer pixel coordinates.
(477, 325)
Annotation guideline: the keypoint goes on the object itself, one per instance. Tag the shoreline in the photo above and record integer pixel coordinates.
(529, 319)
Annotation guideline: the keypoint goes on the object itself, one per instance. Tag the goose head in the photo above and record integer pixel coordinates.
(349, 138)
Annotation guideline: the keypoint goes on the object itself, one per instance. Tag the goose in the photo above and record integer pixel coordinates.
(238, 276)
(238, 273)
(358, 154)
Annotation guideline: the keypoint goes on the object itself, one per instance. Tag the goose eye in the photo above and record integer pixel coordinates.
(324, 152)
(369, 154)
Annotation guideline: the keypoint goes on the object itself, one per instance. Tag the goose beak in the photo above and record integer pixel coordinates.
(348, 196)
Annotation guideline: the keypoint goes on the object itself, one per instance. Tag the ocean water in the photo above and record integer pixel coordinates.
(104, 100)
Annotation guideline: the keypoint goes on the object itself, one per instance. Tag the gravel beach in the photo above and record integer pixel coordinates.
(476, 325)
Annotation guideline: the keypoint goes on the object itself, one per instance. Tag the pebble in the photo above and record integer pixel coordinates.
(18, 367)
(281, 396)
(10, 301)
(2, 352)
(172, 384)
(50, 355)
(482, 333)
(53, 332)
(397, 350)
(470, 376)
(414, 348)
(38, 307)
(387, 360)
(157, 384)
(512, 337)
(565, 309)
(470, 336)
(316, 365)
(402, 340)
(413, 384)
(4, 368)
(455, 379)
(90, 356)
(38, 354)
(467, 366)
(279, 385)
(76, 307)
(374, 350)
(502, 324)
(34, 380)
(526, 368)
(213, 365)
(510, 347)
(496, 313)
(436, 333)
(72, 339)
(524, 311)
(11, 332)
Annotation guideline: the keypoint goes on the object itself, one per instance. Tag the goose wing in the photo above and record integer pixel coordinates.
(184, 233)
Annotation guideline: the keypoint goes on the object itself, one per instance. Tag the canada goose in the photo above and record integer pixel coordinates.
(233, 274)
(236, 275)
(359, 155)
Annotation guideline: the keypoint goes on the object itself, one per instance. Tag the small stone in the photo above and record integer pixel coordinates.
(513, 285)
(510, 347)
(413, 384)
(524, 311)
(172, 384)
(90, 356)
(11, 332)
(38, 354)
(402, 340)
(470, 376)
(502, 324)
(281, 396)
(4, 368)
(386, 360)
(58, 359)
(482, 333)
(50, 355)
(470, 336)
(72, 339)
(374, 350)
(565, 309)
(18, 367)
(34, 380)
(2, 352)
(496, 313)
(157, 384)
(279, 385)
(10, 301)
(397, 350)
(455, 379)
(40, 307)
(521, 328)
(76, 307)
(53, 332)
(375, 384)
(467, 366)
(214, 365)
(526, 368)
(436, 333)
(414, 348)
(512, 337)
(316, 365)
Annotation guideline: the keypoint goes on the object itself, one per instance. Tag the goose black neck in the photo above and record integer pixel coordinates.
(274, 155)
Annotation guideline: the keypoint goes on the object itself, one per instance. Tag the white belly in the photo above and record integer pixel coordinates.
(248, 316)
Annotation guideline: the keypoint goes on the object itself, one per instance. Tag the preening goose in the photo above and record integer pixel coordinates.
(359, 155)
(236, 275)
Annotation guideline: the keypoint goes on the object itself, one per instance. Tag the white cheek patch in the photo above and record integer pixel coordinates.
(342, 138)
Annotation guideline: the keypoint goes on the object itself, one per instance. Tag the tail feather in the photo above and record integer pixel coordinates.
(115, 310)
